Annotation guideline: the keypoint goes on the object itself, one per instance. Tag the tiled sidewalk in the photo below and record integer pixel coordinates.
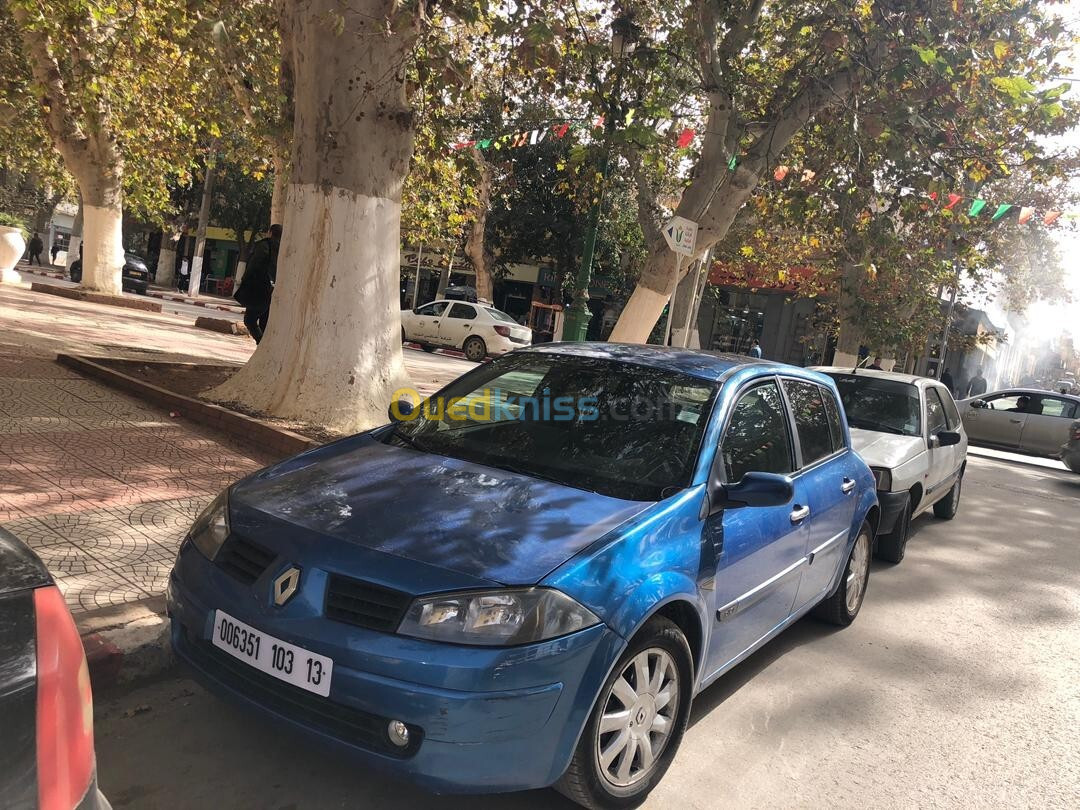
(101, 486)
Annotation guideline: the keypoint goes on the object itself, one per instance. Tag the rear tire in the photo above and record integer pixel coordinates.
(669, 671)
(842, 606)
(475, 349)
(947, 506)
(891, 546)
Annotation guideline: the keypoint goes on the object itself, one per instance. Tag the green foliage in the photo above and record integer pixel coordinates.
(9, 221)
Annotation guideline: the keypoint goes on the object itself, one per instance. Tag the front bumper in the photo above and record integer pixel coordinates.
(481, 719)
(892, 505)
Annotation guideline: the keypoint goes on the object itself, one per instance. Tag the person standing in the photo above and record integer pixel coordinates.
(52, 253)
(755, 350)
(876, 365)
(36, 246)
(977, 385)
(257, 286)
(947, 381)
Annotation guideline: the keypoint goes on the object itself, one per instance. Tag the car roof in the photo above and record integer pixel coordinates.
(708, 365)
(896, 376)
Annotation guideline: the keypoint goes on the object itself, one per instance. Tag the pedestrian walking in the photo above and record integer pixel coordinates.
(257, 286)
(182, 276)
(947, 381)
(53, 251)
(755, 349)
(876, 365)
(977, 385)
(36, 246)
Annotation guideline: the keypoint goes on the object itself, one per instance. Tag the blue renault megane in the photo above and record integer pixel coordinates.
(525, 580)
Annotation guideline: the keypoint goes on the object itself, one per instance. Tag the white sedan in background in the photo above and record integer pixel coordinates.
(475, 329)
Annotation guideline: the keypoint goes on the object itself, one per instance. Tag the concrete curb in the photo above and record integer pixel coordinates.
(223, 325)
(248, 429)
(76, 294)
(183, 299)
(126, 643)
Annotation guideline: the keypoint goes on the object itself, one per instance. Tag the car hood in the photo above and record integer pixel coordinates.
(885, 449)
(479, 521)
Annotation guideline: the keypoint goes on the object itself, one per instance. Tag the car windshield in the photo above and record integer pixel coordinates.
(620, 429)
(887, 406)
(500, 316)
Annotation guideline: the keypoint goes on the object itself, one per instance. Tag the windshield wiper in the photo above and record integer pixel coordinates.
(409, 440)
(867, 424)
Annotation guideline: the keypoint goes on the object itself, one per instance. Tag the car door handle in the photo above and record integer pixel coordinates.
(800, 513)
(847, 486)
(1016, 421)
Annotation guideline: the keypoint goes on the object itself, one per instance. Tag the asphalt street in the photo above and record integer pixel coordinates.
(958, 686)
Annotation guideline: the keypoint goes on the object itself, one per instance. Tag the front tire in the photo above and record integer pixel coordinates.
(842, 606)
(475, 349)
(947, 506)
(637, 723)
(891, 546)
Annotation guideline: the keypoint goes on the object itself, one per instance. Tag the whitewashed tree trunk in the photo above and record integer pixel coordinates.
(332, 351)
(75, 240)
(103, 254)
(166, 266)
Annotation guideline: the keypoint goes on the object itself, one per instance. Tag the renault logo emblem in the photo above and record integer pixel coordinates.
(285, 585)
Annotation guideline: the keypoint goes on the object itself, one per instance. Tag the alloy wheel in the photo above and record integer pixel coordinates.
(856, 573)
(638, 717)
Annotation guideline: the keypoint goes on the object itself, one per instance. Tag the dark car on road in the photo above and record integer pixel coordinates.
(46, 711)
(136, 275)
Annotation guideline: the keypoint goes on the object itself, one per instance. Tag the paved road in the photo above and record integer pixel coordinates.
(958, 686)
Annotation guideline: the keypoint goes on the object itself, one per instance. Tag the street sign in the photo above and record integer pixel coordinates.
(681, 235)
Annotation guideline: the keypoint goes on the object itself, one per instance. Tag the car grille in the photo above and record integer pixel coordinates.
(350, 725)
(374, 607)
(243, 560)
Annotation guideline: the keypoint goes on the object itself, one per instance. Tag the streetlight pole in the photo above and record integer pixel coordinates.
(578, 315)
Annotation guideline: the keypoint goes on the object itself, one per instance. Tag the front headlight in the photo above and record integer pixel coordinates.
(505, 617)
(211, 527)
(882, 478)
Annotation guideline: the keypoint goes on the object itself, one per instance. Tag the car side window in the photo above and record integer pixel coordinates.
(1053, 406)
(832, 413)
(438, 308)
(811, 421)
(935, 413)
(462, 312)
(757, 438)
(952, 416)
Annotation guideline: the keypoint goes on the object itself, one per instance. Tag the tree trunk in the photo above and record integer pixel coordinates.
(195, 279)
(75, 241)
(166, 265)
(475, 246)
(103, 251)
(281, 179)
(332, 352)
(245, 251)
(850, 335)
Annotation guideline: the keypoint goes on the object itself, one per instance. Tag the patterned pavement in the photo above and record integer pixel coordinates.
(101, 486)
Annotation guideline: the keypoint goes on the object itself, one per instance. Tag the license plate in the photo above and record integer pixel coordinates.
(284, 661)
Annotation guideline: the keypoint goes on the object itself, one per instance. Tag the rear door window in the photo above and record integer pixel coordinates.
(463, 312)
(811, 420)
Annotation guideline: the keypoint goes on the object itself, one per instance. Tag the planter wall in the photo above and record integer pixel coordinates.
(12, 247)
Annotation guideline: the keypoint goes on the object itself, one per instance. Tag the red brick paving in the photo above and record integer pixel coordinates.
(101, 486)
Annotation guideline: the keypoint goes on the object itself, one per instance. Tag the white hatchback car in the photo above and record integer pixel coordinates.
(475, 329)
(908, 430)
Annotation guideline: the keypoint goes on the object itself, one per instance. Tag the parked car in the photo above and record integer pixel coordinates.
(134, 276)
(1026, 420)
(1070, 451)
(475, 329)
(532, 591)
(908, 430)
(46, 730)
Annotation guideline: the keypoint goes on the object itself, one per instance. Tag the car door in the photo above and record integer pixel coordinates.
(424, 322)
(1047, 425)
(763, 548)
(458, 324)
(1000, 421)
(941, 461)
(824, 484)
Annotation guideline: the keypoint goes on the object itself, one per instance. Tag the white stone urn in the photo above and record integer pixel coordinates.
(12, 247)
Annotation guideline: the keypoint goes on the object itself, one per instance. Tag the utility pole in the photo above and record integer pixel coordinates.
(195, 279)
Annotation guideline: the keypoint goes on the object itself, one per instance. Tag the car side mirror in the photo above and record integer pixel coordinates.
(945, 438)
(978, 403)
(398, 411)
(753, 489)
(416, 311)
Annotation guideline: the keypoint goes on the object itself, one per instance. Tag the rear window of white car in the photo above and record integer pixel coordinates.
(499, 316)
